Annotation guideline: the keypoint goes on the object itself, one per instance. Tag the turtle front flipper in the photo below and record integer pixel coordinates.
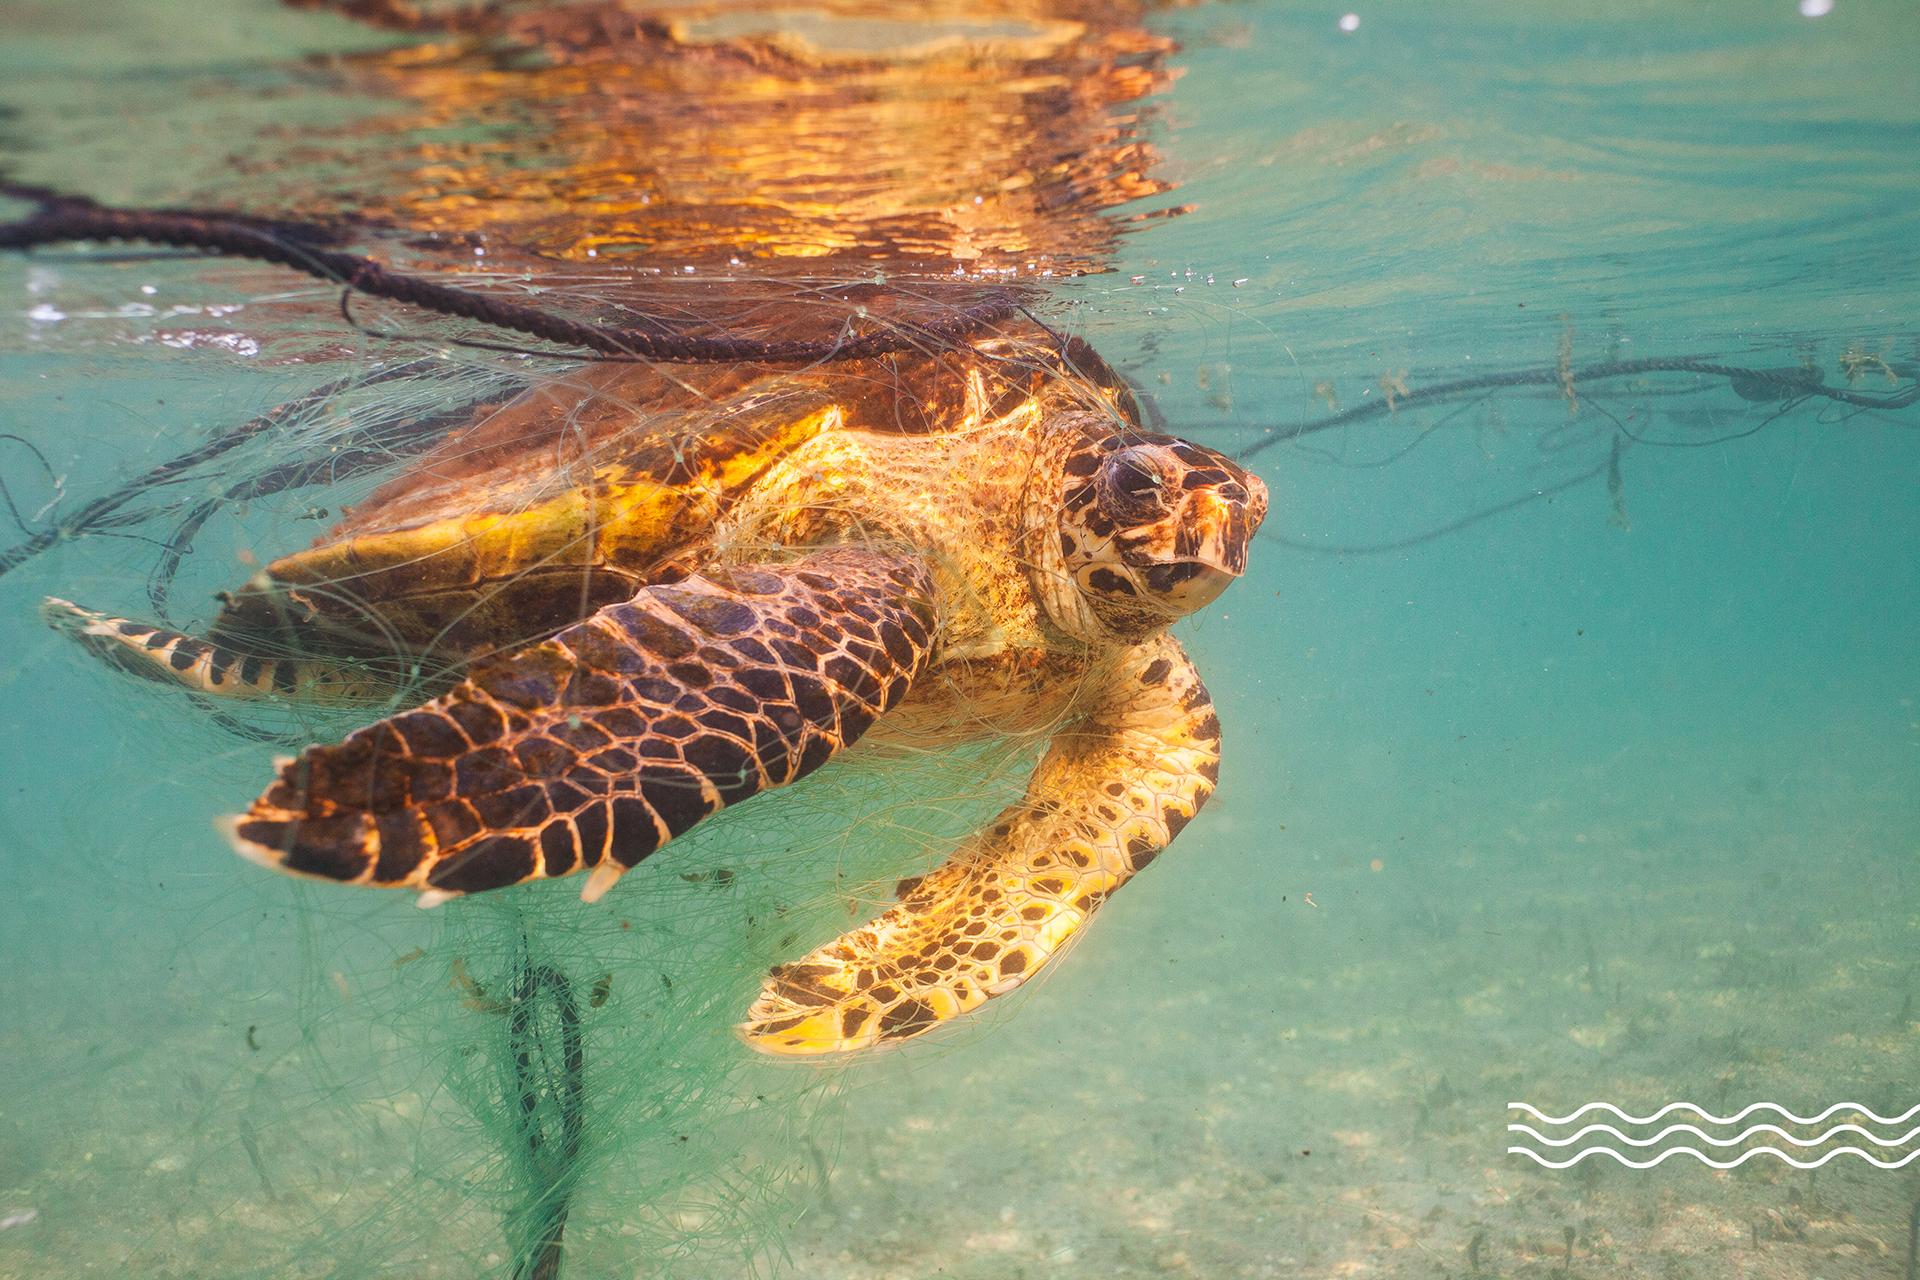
(596, 747)
(1113, 790)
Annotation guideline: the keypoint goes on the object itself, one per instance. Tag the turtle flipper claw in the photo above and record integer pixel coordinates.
(593, 749)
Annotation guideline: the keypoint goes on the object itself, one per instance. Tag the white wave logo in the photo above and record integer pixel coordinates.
(1889, 1146)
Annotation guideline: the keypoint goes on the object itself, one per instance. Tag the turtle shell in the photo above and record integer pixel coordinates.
(598, 482)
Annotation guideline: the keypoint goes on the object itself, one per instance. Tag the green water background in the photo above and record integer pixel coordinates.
(1643, 798)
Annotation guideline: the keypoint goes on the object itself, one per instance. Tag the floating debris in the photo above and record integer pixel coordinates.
(1616, 488)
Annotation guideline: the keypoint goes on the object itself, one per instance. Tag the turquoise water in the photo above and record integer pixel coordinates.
(1607, 795)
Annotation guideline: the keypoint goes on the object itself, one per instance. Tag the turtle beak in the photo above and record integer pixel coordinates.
(1212, 530)
(1208, 538)
(1218, 522)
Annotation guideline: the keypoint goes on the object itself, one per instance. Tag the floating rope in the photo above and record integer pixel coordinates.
(1759, 385)
(62, 218)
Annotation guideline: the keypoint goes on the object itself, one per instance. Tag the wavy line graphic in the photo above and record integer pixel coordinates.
(1874, 1138)
(1717, 1164)
(1710, 1118)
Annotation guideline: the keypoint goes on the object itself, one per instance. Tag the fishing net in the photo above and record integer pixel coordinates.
(222, 1072)
(515, 1084)
(381, 1090)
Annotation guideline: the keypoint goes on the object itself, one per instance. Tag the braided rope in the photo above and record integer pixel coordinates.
(63, 218)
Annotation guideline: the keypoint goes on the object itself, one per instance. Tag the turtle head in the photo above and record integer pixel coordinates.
(1153, 528)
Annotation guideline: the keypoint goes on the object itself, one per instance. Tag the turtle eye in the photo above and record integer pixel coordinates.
(1132, 486)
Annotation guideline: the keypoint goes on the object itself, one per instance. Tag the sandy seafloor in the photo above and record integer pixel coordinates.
(1299, 1094)
(1592, 800)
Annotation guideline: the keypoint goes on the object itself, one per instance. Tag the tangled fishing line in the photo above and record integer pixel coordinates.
(301, 246)
(515, 1032)
(537, 1053)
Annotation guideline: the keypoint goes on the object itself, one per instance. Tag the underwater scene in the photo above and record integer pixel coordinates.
(1495, 726)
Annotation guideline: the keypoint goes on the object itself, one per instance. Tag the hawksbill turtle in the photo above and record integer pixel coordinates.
(653, 615)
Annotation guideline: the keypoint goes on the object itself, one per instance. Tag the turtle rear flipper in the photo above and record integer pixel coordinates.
(594, 748)
(203, 666)
(1113, 790)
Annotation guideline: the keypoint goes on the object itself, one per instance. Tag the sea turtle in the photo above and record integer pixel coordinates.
(661, 593)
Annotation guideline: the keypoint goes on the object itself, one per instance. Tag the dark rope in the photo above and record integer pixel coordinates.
(1760, 385)
(6, 494)
(1788, 387)
(62, 218)
(561, 1084)
(1433, 535)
